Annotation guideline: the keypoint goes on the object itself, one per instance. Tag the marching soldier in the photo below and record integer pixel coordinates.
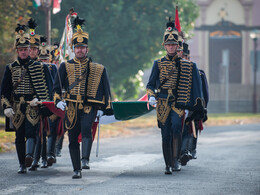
(45, 57)
(185, 155)
(34, 55)
(87, 95)
(180, 43)
(173, 86)
(34, 40)
(25, 83)
(54, 58)
(198, 123)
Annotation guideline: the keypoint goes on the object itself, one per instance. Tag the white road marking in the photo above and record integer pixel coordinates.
(105, 169)
(14, 189)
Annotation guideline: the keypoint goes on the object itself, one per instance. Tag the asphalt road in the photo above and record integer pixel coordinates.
(228, 163)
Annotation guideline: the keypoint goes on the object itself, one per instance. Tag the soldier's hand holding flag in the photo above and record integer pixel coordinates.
(152, 101)
(61, 105)
(9, 112)
(99, 113)
(34, 102)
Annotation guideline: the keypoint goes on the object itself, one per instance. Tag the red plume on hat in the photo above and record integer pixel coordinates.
(177, 21)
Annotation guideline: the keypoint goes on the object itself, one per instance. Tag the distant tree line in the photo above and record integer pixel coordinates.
(124, 35)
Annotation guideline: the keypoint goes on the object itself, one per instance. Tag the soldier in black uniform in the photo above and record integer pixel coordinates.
(54, 59)
(25, 83)
(173, 86)
(87, 95)
(45, 149)
(45, 57)
(186, 136)
(34, 55)
(198, 123)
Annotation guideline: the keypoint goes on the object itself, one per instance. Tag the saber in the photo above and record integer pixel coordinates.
(193, 129)
(98, 137)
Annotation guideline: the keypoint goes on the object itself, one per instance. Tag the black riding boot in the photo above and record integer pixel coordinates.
(22, 169)
(86, 149)
(185, 154)
(30, 144)
(20, 149)
(37, 155)
(176, 144)
(59, 146)
(75, 159)
(44, 151)
(51, 147)
(194, 146)
(167, 155)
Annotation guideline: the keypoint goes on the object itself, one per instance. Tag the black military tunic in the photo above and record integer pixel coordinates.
(36, 82)
(90, 94)
(93, 91)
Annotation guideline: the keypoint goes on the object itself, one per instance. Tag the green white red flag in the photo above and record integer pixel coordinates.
(36, 3)
(56, 6)
(66, 52)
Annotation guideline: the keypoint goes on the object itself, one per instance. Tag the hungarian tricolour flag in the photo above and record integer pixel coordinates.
(56, 6)
(36, 3)
(123, 110)
(66, 52)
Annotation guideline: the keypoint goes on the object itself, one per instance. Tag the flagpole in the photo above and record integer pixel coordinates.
(98, 137)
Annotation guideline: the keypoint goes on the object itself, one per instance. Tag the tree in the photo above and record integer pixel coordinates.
(11, 13)
(125, 35)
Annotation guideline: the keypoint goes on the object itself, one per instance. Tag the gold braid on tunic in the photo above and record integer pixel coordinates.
(163, 107)
(75, 71)
(25, 88)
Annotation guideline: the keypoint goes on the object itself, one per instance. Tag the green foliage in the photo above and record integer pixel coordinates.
(11, 13)
(127, 34)
(124, 35)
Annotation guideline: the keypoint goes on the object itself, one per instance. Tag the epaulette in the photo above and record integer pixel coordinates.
(96, 64)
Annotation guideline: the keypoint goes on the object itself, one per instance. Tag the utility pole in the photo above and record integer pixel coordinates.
(46, 5)
(225, 63)
(255, 70)
(255, 35)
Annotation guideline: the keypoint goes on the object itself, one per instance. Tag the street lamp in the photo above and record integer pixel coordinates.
(255, 35)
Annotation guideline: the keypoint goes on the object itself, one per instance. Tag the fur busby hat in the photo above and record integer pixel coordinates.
(79, 38)
(171, 33)
(44, 49)
(185, 49)
(180, 41)
(22, 38)
(34, 38)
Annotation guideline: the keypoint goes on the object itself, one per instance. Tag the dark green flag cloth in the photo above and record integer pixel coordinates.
(127, 110)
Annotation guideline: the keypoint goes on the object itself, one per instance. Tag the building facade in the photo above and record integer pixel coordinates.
(222, 47)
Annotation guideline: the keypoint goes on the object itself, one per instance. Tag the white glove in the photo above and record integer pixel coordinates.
(186, 113)
(9, 112)
(152, 101)
(100, 113)
(61, 105)
(34, 102)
